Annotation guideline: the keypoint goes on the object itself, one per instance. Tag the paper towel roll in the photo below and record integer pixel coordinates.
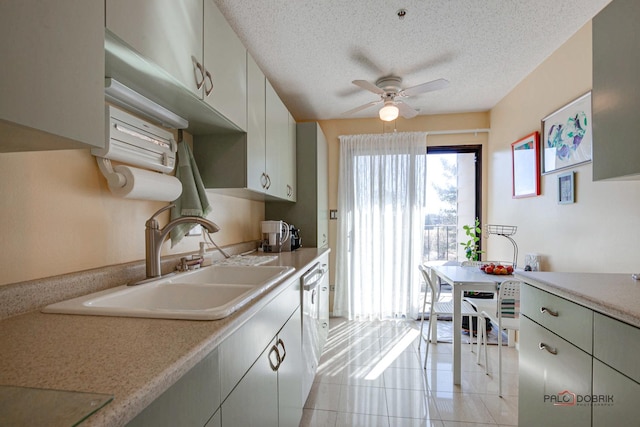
(147, 185)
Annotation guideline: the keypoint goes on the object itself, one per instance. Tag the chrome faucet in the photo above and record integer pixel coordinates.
(155, 236)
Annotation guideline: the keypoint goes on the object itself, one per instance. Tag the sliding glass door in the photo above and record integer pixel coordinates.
(453, 199)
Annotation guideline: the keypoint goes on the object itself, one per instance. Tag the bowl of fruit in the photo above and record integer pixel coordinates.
(497, 269)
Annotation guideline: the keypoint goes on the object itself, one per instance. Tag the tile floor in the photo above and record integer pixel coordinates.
(371, 374)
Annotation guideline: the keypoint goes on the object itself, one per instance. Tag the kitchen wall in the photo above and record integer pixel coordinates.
(58, 216)
(598, 233)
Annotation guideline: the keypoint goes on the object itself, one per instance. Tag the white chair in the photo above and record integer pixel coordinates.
(487, 304)
(437, 308)
(506, 314)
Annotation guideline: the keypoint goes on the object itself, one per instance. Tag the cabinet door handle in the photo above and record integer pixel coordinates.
(548, 311)
(207, 91)
(198, 67)
(276, 365)
(543, 346)
(284, 351)
(268, 181)
(263, 180)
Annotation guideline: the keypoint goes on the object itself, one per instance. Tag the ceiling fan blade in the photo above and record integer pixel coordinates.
(425, 87)
(405, 110)
(368, 86)
(362, 107)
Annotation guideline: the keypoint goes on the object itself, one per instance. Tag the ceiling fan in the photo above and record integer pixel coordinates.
(391, 93)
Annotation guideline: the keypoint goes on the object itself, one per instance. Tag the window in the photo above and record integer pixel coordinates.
(453, 199)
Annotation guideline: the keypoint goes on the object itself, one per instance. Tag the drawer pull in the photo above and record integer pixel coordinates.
(274, 364)
(284, 351)
(548, 311)
(543, 346)
(208, 90)
(199, 76)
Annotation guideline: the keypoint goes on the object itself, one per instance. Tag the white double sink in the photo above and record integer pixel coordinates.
(208, 293)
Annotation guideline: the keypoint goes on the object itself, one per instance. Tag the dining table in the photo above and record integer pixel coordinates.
(463, 279)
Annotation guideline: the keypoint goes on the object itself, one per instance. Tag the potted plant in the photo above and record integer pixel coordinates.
(471, 246)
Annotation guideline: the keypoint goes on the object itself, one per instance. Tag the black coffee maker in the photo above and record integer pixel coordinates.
(294, 235)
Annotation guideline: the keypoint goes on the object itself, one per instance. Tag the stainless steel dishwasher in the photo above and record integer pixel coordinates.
(315, 326)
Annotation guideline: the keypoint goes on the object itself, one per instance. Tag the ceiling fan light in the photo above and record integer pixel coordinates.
(388, 113)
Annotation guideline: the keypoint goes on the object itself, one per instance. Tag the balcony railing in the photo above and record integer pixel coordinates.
(440, 243)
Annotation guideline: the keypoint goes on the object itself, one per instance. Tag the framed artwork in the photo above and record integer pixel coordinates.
(566, 188)
(525, 166)
(567, 136)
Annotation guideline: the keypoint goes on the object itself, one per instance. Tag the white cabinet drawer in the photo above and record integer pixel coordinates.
(617, 344)
(553, 373)
(565, 318)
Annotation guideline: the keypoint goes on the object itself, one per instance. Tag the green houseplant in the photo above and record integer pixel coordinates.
(471, 246)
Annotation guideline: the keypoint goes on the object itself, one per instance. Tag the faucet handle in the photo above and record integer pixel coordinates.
(151, 222)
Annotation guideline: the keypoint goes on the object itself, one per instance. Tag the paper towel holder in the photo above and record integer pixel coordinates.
(131, 140)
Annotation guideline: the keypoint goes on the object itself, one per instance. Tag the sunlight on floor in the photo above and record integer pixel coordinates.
(371, 374)
(392, 354)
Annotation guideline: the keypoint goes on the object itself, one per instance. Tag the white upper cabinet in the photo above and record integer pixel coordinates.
(310, 213)
(52, 77)
(263, 159)
(291, 171)
(225, 65)
(196, 49)
(167, 32)
(615, 97)
(256, 126)
(280, 164)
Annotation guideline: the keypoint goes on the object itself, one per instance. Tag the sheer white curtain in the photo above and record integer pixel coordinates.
(381, 195)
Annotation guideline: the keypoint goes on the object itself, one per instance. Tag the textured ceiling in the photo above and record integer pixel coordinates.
(311, 50)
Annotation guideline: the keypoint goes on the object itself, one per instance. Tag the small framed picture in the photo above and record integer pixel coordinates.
(566, 188)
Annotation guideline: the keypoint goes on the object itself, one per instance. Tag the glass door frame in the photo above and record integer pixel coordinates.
(465, 149)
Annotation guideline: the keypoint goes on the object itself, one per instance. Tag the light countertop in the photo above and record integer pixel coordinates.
(614, 295)
(133, 359)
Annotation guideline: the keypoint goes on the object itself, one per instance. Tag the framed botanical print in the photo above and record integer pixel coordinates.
(567, 137)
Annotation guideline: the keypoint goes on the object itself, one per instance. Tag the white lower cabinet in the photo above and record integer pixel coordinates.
(615, 397)
(290, 398)
(616, 373)
(254, 401)
(215, 421)
(191, 401)
(577, 367)
(253, 378)
(270, 393)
